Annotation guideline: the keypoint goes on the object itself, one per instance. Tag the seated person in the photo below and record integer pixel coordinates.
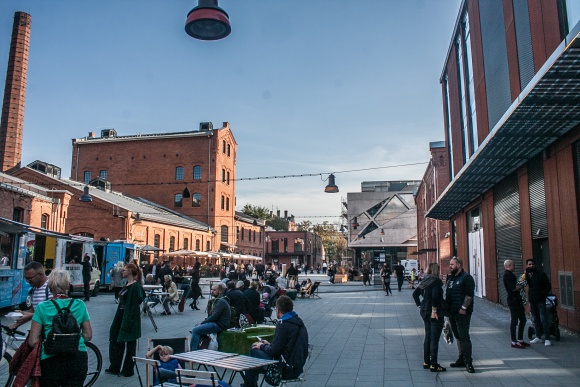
(218, 318)
(237, 300)
(170, 287)
(305, 289)
(167, 365)
(253, 297)
(290, 341)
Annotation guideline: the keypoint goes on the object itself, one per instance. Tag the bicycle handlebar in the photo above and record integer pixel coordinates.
(12, 332)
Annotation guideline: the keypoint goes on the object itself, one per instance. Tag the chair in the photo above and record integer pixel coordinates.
(179, 345)
(150, 366)
(301, 378)
(185, 378)
(313, 291)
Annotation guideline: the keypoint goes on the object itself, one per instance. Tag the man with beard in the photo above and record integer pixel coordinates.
(460, 290)
(538, 289)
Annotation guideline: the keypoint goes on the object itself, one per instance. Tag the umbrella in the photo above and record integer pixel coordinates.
(177, 253)
(150, 248)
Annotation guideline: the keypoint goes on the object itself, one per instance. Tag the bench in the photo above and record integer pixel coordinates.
(340, 278)
(358, 277)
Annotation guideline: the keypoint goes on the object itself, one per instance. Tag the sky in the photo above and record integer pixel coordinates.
(308, 86)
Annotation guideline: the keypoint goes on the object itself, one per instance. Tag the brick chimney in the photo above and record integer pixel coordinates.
(12, 121)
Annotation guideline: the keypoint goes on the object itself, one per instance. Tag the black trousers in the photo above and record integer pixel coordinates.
(460, 328)
(388, 286)
(65, 370)
(433, 330)
(400, 282)
(116, 351)
(86, 283)
(518, 315)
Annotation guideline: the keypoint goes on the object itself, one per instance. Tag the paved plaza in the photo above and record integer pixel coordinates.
(363, 338)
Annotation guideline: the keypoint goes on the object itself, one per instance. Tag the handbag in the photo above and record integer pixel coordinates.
(274, 372)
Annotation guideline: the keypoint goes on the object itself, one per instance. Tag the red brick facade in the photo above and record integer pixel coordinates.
(285, 247)
(249, 236)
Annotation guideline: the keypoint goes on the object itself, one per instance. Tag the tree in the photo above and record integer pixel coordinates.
(332, 240)
(277, 223)
(258, 212)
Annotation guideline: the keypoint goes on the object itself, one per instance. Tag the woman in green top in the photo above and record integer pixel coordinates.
(53, 373)
(126, 326)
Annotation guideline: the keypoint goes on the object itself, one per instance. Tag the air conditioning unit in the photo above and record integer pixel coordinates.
(205, 126)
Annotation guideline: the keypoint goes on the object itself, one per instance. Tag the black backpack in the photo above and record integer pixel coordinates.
(65, 333)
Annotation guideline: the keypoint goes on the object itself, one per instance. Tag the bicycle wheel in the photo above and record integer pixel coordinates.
(95, 363)
(4, 369)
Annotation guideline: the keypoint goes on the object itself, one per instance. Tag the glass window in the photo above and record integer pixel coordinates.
(223, 175)
(87, 178)
(17, 214)
(196, 200)
(156, 241)
(448, 123)
(223, 202)
(178, 200)
(171, 243)
(228, 150)
(227, 204)
(470, 86)
(242, 234)
(228, 178)
(179, 173)
(185, 243)
(223, 147)
(103, 174)
(462, 96)
(207, 246)
(573, 13)
(197, 172)
(197, 244)
(224, 234)
(44, 221)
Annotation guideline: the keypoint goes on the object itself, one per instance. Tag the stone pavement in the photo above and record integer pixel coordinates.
(363, 338)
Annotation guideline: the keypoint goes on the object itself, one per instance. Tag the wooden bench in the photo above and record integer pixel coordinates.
(340, 278)
(358, 277)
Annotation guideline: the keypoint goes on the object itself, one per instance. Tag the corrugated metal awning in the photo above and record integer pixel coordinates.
(544, 111)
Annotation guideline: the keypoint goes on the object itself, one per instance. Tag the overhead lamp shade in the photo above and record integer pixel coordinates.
(207, 21)
(331, 187)
(382, 231)
(255, 223)
(354, 223)
(86, 197)
(186, 194)
(342, 228)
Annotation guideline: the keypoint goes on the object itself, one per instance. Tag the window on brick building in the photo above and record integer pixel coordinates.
(18, 214)
(87, 177)
(197, 244)
(178, 201)
(223, 175)
(228, 178)
(207, 246)
(197, 172)
(228, 150)
(44, 221)
(260, 237)
(156, 241)
(185, 243)
(242, 234)
(223, 147)
(254, 232)
(223, 203)
(237, 233)
(196, 200)
(179, 173)
(103, 174)
(224, 234)
(227, 204)
(172, 243)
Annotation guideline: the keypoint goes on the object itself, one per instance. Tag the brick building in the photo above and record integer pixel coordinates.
(510, 89)
(165, 168)
(114, 216)
(297, 247)
(249, 235)
(433, 242)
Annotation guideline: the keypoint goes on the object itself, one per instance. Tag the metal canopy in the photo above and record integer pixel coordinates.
(543, 112)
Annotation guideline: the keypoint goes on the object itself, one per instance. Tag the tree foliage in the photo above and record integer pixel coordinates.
(332, 240)
(258, 212)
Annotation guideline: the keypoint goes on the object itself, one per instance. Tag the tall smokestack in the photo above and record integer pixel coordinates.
(12, 121)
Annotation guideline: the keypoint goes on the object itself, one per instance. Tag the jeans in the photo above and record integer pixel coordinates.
(388, 286)
(541, 319)
(433, 330)
(518, 315)
(251, 376)
(201, 330)
(460, 328)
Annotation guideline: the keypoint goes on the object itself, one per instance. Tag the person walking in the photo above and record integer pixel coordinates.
(538, 289)
(515, 304)
(195, 289)
(87, 269)
(53, 373)
(126, 326)
(400, 273)
(460, 290)
(324, 267)
(386, 276)
(116, 274)
(428, 297)
(366, 273)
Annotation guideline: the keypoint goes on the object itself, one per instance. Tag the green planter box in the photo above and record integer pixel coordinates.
(240, 342)
(291, 293)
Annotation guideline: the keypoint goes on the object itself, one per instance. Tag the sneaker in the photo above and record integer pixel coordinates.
(469, 368)
(426, 365)
(547, 343)
(536, 341)
(437, 368)
(518, 345)
(524, 344)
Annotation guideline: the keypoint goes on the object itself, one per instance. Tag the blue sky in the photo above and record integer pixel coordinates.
(307, 86)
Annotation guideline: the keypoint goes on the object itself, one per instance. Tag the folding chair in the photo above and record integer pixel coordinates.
(313, 291)
(150, 366)
(185, 378)
(302, 377)
(179, 345)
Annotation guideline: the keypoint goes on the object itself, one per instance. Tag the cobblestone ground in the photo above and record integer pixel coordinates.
(363, 338)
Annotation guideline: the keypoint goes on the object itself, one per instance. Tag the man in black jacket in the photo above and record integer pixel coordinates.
(460, 290)
(538, 289)
(400, 273)
(290, 341)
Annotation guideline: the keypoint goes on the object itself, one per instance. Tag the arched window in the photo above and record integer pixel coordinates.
(179, 173)
(228, 150)
(228, 178)
(242, 233)
(223, 146)
(207, 246)
(44, 221)
(196, 200)
(178, 202)
(197, 244)
(185, 243)
(223, 175)
(87, 177)
(224, 232)
(171, 243)
(197, 172)
(103, 174)
(223, 202)
(227, 204)
(156, 241)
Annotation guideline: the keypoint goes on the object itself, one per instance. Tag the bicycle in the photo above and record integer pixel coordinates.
(95, 359)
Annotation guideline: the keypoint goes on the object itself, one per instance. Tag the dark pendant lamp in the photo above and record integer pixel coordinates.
(331, 187)
(186, 194)
(354, 223)
(207, 21)
(342, 228)
(382, 231)
(86, 197)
